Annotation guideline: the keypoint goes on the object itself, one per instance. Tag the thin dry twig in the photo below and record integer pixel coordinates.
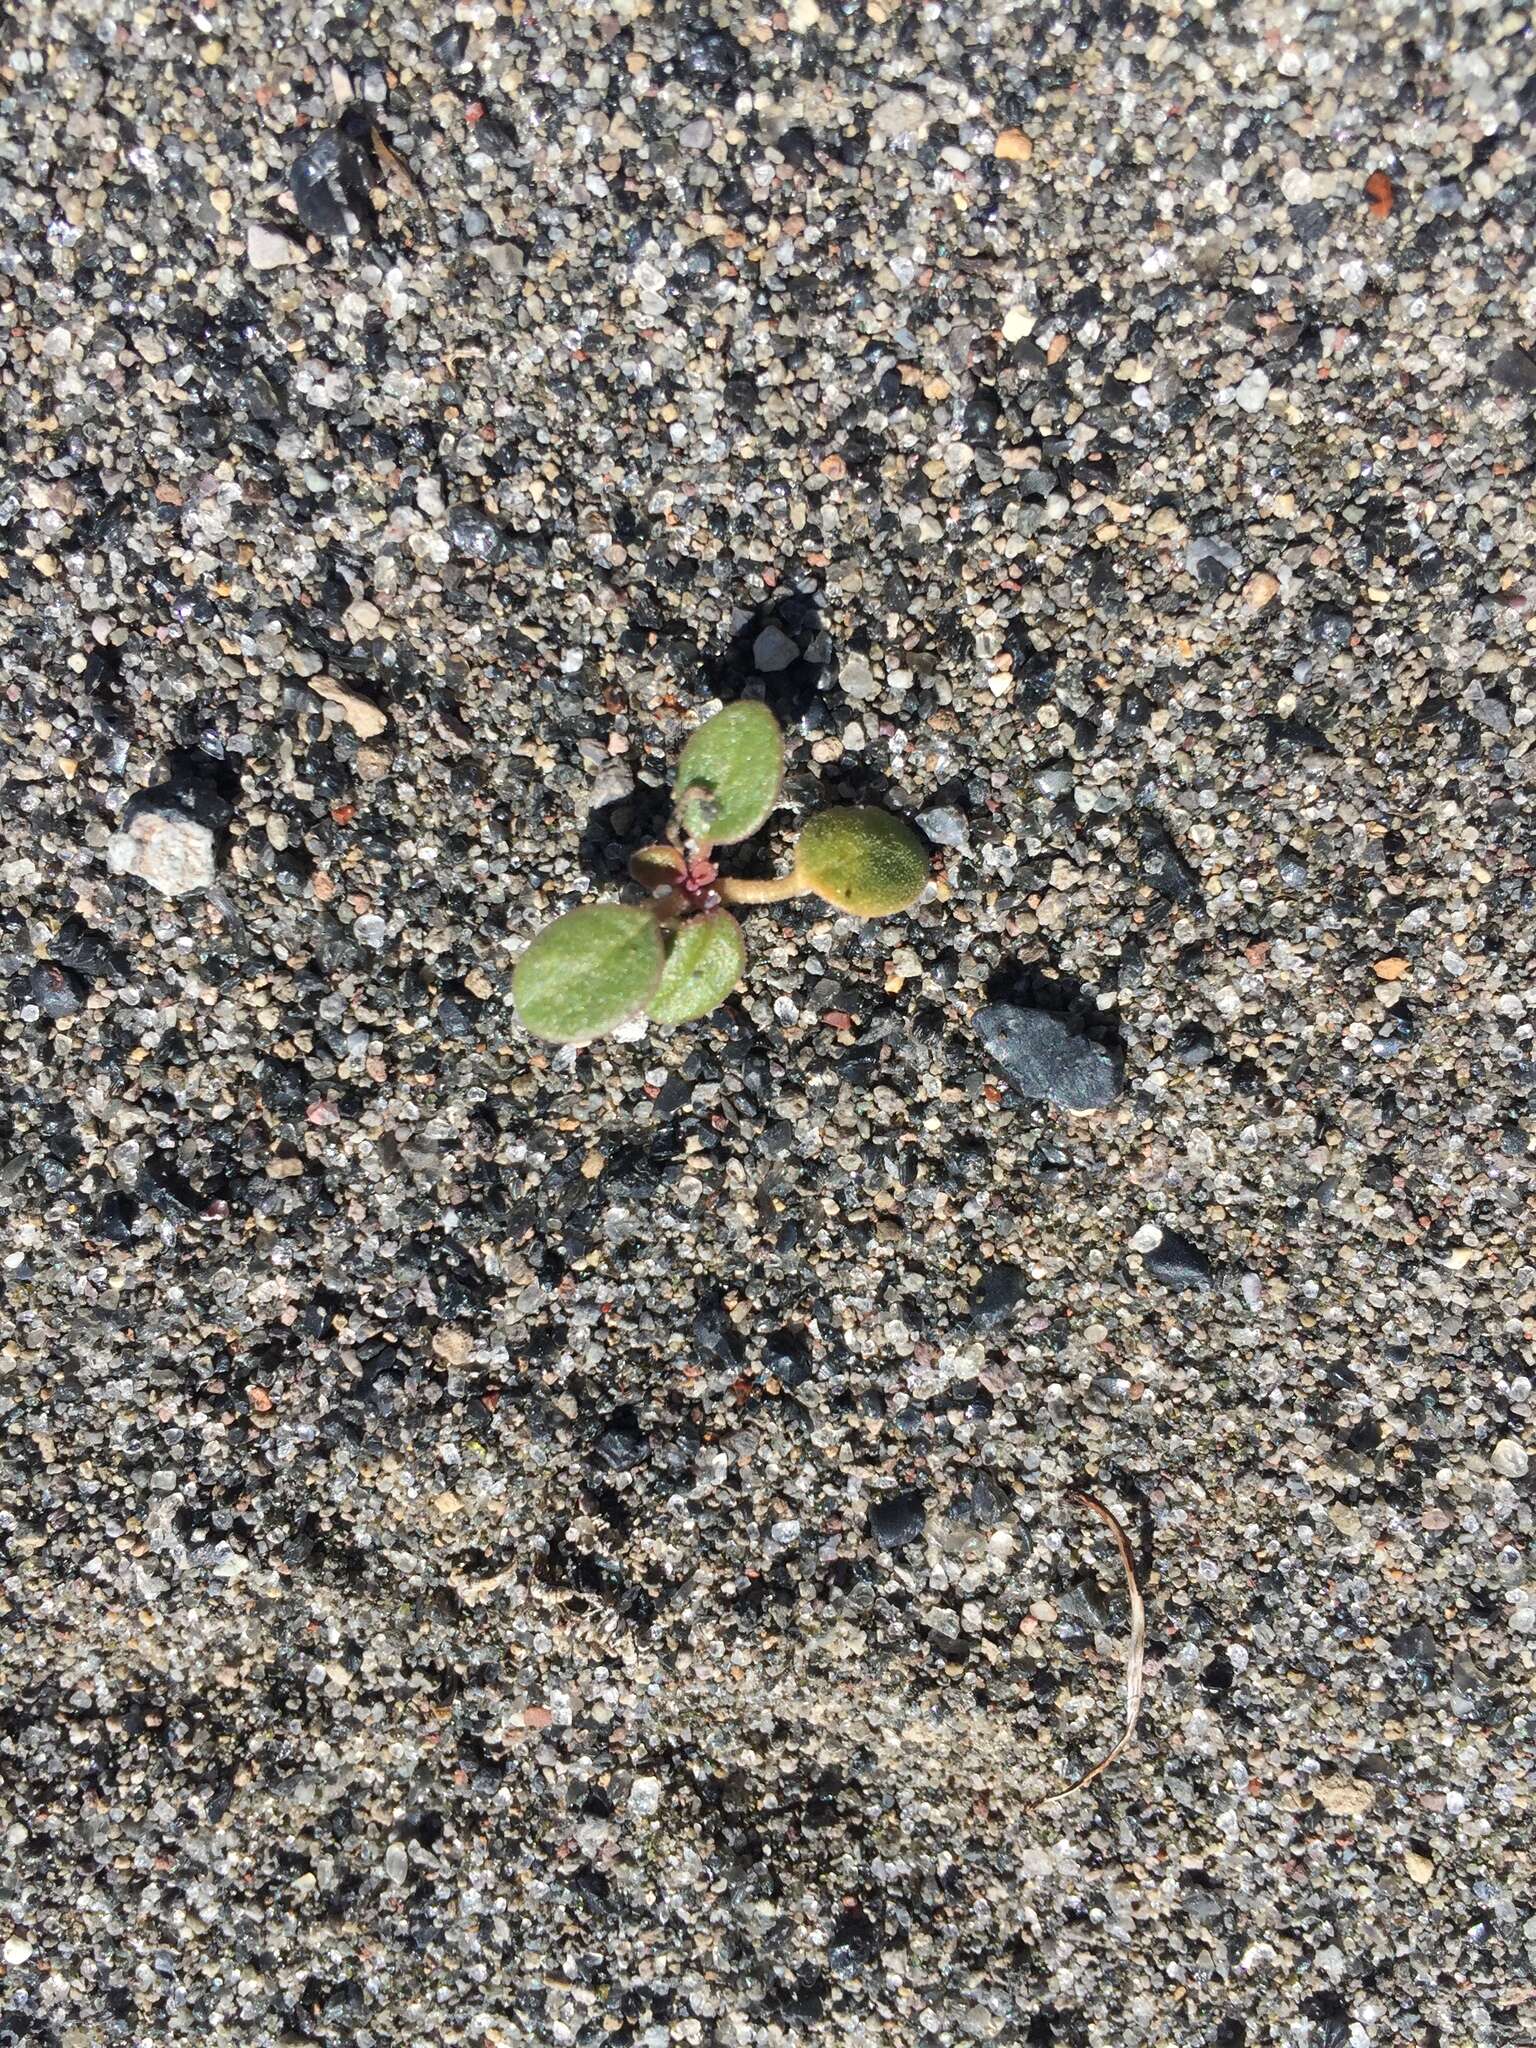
(1135, 1655)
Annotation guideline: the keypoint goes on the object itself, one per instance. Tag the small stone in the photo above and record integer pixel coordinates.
(364, 717)
(396, 1863)
(1165, 869)
(17, 1951)
(453, 1345)
(167, 849)
(945, 827)
(1214, 562)
(1331, 629)
(1510, 1458)
(986, 1502)
(856, 679)
(1252, 395)
(315, 184)
(270, 249)
(1515, 370)
(612, 784)
(854, 1942)
(1013, 146)
(898, 1520)
(773, 650)
(1193, 1045)
(622, 1444)
(1018, 321)
(472, 532)
(1047, 1060)
(787, 1358)
(900, 116)
(1344, 1798)
(1260, 589)
(1417, 1646)
(1004, 1289)
(451, 45)
(644, 1797)
(56, 991)
(1420, 1868)
(1392, 968)
(1176, 1263)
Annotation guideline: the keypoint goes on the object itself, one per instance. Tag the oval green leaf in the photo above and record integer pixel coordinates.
(729, 774)
(656, 867)
(862, 859)
(705, 963)
(587, 972)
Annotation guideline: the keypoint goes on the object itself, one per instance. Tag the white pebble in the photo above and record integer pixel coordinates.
(1510, 1459)
(172, 854)
(645, 1797)
(268, 249)
(1253, 393)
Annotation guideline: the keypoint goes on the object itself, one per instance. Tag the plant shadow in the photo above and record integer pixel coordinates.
(619, 829)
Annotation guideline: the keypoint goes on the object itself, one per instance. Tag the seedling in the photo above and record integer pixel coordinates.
(680, 952)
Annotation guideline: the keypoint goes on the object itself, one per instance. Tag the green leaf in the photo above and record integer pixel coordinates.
(863, 860)
(587, 972)
(656, 867)
(729, 773)
(704, 965)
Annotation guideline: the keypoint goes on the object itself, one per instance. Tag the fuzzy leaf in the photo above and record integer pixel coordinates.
(656, 867)
(703, 966)
(729, 773)
(862, 860)
(587, 972)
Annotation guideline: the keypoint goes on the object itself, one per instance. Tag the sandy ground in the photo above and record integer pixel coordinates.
(510, 1548)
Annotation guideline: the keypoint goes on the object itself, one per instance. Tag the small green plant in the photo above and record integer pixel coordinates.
(681, 952)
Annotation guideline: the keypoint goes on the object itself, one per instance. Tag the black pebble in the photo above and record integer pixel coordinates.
(1003, 1289)
(1193, 1045)
(622, 1444)
(116, 1217)
(898, 1520)
(1331, 629)
(1165, 869)
(1178, 1264)
(313, 182)
(787, 1358)
(1515, 370)
(981, 417)
(854, 1942)
(57, 992)
(450, 44)
(1417, 1646)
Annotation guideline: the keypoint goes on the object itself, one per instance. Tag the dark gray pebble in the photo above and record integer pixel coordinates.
(1047, 1059)
(56, 990)
(474, 533)
(1178, 1264)
(1004, 1288)
(898, 1520)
